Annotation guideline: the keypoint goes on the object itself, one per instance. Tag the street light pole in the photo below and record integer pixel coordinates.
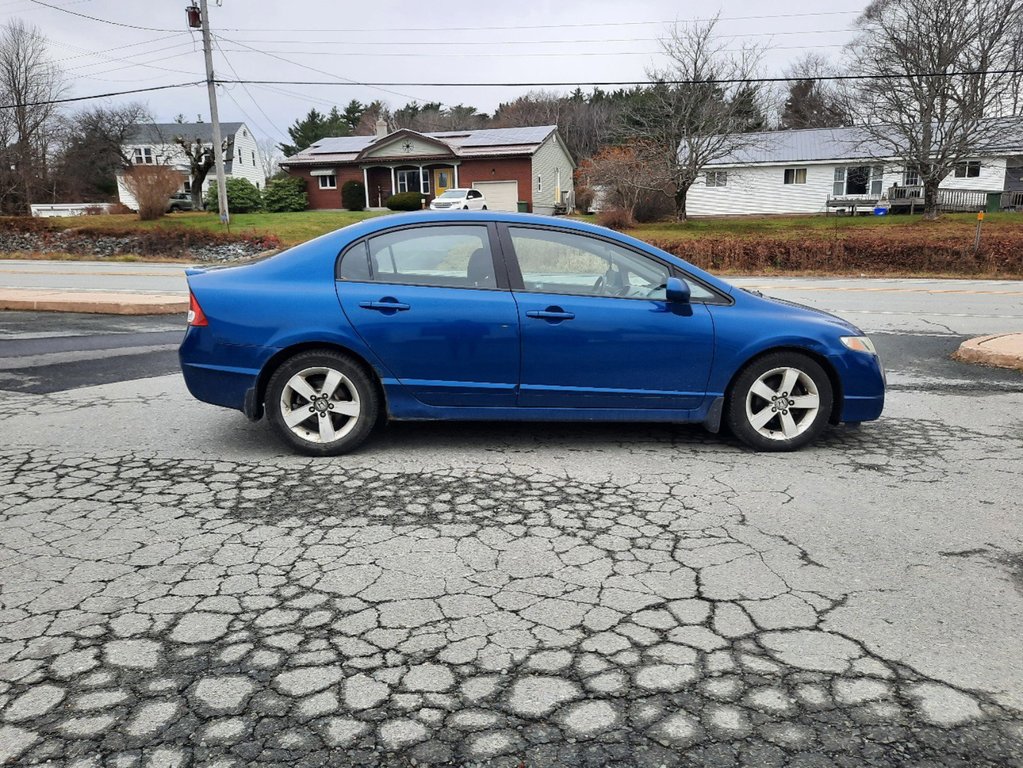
(218, 144)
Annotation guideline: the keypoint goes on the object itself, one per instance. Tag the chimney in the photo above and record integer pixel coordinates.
(381, 128)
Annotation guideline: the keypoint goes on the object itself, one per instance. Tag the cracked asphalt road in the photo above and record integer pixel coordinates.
(177, 590)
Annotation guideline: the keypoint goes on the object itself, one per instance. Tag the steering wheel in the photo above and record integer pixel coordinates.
(650, 293)
(598, 287)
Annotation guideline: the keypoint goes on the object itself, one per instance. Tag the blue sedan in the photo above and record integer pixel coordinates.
(500, 317)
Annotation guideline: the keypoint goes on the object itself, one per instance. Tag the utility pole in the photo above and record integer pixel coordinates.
(218, 144)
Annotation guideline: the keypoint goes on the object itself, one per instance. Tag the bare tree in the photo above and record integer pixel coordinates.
(93, 149)
(270, 157)
(625, 175)
(698, 106)
(933, 82)
(201, 161)
(29, 83)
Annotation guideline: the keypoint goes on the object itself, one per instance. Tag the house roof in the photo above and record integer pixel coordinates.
(479, 143)
(1002, 136)
(162, 133)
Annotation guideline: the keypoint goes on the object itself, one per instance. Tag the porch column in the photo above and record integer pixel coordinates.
(455, 166)
(394, 189)
(365, 183)
(421, 190)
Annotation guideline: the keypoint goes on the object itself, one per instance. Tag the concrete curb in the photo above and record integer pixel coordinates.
(1002, 351)
(91, 302)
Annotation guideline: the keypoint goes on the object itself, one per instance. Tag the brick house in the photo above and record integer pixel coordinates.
(508, 165)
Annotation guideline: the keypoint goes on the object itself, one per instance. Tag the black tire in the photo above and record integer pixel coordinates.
(355, 386)
(484, 207)
(806, 423)
(465, 207)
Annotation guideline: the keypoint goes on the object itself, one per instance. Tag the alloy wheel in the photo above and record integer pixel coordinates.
(320, 405)
(782, 403)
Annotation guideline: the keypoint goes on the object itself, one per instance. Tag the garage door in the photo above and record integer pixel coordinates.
(501, 195)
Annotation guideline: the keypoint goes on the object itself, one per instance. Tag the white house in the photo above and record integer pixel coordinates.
(154, 144)
(819, 169)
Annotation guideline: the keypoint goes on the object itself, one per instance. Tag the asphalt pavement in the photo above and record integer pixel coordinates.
(176, 589)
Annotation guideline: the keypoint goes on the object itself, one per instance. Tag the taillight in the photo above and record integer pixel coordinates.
(195, 313)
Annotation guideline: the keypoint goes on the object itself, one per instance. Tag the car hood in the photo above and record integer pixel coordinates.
(811, 312)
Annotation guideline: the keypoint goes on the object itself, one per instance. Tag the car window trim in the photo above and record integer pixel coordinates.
(518, 284)
(496, 253)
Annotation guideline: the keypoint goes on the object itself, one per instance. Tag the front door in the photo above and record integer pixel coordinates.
(428, 303)
(597, 331)
(443, 180)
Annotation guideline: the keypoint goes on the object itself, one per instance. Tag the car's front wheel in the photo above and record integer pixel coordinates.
(780, 402)
(321, 403)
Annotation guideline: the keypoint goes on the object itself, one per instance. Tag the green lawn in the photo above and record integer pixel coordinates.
(294, 228)
(291, 228)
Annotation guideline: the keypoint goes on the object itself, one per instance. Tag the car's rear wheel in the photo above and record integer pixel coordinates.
(322, 403)
(780, 402)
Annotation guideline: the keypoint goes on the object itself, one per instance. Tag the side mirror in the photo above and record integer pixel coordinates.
(677, 291)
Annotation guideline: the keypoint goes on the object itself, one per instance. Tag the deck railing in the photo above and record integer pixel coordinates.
(1012, 200)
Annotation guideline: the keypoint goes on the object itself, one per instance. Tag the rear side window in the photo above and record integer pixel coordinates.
(448, 257)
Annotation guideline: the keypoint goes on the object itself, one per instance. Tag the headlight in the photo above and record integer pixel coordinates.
(859, 344)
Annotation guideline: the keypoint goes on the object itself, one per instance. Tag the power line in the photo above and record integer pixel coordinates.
(602, 83)
(467, 29)
(104, 21)
(578, 83)
(490, 43)
(100, 95)
(554, 26)
(270, 122)
(558, 54)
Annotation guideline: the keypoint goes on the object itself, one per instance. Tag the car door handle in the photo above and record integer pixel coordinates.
(394, 306)
(553, 313)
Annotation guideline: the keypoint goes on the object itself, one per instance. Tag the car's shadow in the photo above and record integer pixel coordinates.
(435, 437)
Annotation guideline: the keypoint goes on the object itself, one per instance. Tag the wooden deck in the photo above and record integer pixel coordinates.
(912, 199)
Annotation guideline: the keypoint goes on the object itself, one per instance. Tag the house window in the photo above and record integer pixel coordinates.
(328, 182)
(970, 169)
(911, 177)
(412, 181)
(717, 178)
(795, 175)
(143, 156)
(539, 183)
(857, 180)
(253, 157)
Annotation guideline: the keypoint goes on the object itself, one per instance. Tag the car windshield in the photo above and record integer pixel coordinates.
(453, 193)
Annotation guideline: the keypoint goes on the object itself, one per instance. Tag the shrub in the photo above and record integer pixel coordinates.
(152, 186)
(353, 195)
(616, 218)
(242, 197)
(406, 201)
(285, 194)
(583, 198)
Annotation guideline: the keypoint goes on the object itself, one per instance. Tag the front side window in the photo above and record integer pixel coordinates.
(563, 262)
(970, 169)
(411, 180)
(328, 182)
(447, 257)
(717, 178)
(795, 176)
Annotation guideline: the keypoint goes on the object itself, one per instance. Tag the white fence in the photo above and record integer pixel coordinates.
(68, 209)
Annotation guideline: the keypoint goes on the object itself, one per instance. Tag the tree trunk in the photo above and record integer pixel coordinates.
(931, 204)
(199, 174)
(681, 192)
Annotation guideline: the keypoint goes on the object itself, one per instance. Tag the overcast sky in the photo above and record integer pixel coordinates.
(397, 41)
